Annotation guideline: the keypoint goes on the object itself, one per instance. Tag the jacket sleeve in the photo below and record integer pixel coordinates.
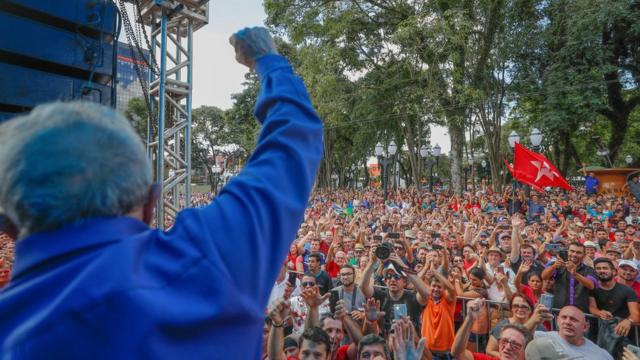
(247, 229)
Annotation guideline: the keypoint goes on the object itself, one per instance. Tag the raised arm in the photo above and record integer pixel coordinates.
(459, 348)
(260, 210)
(365, 281)
(278, 316)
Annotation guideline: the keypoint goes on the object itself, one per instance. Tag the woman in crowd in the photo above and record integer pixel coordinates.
(521, 310)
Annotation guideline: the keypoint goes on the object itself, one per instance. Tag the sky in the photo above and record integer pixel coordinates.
(216, 74)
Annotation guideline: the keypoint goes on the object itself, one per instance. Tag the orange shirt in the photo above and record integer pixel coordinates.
(437, 324)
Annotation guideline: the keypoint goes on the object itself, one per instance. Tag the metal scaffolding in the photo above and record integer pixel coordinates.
(172, 23)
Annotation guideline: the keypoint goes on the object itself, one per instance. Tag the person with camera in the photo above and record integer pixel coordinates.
(573, 279)
(395, 300)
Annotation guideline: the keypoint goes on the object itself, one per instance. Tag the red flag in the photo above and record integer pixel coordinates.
(536, 170)
(524, 181)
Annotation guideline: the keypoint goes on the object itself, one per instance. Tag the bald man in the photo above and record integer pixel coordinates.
(572, 325)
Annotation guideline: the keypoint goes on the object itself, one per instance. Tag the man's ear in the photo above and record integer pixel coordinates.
(150, 204)
(8, 227)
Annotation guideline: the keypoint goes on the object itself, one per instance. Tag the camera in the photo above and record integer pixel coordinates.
(384, 251)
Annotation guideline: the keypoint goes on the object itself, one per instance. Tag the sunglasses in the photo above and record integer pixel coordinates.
(514, 345)
(398, 248)
(308, 284)
(521, 306)
(393, 276)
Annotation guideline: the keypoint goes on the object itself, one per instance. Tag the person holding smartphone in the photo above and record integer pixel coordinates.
(573, 279)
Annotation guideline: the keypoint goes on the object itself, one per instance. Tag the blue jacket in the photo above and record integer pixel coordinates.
(112, 288)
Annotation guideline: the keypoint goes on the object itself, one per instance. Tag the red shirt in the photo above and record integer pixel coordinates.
(332, 269)
(479, 356)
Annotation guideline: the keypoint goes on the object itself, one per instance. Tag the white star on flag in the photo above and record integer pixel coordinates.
(543, 170)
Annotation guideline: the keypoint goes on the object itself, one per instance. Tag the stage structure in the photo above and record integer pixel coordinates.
(171, 24)
(56, 50)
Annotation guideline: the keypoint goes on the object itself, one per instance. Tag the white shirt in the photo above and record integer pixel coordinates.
(588, 350)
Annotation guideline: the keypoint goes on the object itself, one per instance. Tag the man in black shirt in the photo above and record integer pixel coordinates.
(396, 300)
(612, 299)
(573, 279)
(322, 278)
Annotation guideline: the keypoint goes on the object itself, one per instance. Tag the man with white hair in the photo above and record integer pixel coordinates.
(92, 280)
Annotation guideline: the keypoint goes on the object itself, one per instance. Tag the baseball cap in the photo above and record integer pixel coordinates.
(484, 234)
(546, 348)
(592, 244)
(629, 263)
(615, 248)
(409, 234)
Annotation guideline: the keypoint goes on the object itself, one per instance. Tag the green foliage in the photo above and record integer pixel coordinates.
(138, 115)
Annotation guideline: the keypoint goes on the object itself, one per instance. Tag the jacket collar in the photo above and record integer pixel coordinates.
(37, 248)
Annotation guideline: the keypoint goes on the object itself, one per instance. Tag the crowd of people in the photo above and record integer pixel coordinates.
(476, 276)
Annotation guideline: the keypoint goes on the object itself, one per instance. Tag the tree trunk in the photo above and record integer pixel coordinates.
(456, 133)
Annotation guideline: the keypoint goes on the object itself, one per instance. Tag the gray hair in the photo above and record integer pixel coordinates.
(64, 162)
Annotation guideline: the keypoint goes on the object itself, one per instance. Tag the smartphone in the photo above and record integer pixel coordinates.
(394, 235)
(564, 255)
(547, 300)
(377, 237)
(552, 247)
(436, 235)
(634, 349)
(399, 310)
(500, 270)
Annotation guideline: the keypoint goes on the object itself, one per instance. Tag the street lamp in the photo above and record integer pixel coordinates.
(628, 159)
(513, 139)
(473, 180)
(483, 163)
(392, 149)
(536, 139)
(216, 170)
(384, 162)
(425, 151)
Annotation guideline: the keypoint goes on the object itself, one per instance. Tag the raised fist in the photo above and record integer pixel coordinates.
(252, 43)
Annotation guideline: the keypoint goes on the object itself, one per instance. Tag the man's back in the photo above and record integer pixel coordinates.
(113, 288)
(138, 291)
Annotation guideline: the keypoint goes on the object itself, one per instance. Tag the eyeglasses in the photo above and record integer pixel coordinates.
(308, 284)
(398, 248)
(514, 345)
(457, 260)
(521, 306)
(346, 274)
(393, 276)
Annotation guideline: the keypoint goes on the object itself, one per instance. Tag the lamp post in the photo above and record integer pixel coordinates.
(473, 178)
(628, 159)
(436, 154)
(424, 152)
(385, 162)
(217, 170)
(391, 150)
(513, 139)
(536, 139)
(483, 163)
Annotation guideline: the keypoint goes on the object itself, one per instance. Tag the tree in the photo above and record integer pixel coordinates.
(138, 115)
(208, 140)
